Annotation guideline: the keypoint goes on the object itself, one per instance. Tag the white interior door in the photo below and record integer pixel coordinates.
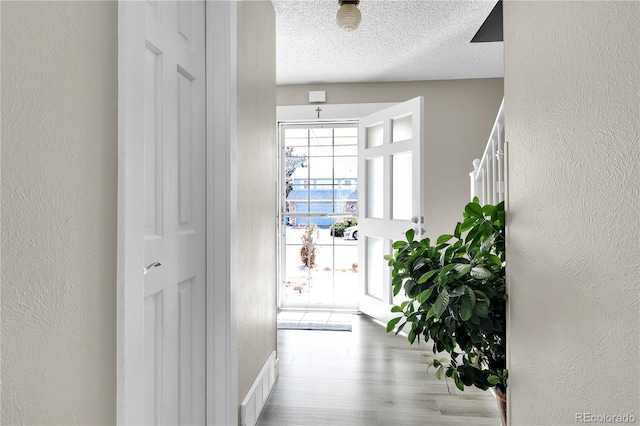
(391, 198)
(162, 337)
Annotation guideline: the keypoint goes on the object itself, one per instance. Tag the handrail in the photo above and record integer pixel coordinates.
(488, 176)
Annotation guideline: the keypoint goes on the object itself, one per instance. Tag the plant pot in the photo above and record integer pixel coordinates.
(500, 393)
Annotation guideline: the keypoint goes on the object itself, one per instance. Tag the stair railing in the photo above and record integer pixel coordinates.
(488, 178)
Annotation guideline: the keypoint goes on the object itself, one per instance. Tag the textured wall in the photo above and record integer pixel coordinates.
(458, 117)
(59, 160)
(572, 99)
(256, 292)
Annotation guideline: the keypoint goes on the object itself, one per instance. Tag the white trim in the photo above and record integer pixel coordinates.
(130, 319)
(330, 112)
(257, 396)
(222, 364)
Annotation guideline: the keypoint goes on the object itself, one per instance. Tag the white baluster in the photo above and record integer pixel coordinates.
(473, 177)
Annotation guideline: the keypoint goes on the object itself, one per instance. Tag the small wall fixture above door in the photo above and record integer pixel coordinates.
(348, 16)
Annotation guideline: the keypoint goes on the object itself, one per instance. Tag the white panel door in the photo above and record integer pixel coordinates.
(162, 182)
(174, 213)
(391, 198)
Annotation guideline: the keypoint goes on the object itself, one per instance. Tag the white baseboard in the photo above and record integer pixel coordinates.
(253, 403)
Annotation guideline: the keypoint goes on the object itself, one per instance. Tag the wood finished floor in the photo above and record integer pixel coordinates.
(366, 377)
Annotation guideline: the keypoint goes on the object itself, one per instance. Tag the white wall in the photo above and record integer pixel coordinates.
(59, 161)
(572, 102)
(257, 150)
(458, 118)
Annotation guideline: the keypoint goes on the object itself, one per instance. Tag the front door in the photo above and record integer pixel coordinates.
(164, 214)
(319, 185)
(391, 196)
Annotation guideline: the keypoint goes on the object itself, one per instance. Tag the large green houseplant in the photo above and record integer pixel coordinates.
(455, 297)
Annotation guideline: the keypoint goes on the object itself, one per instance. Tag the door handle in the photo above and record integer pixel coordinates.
(150, 267)
(414, 219)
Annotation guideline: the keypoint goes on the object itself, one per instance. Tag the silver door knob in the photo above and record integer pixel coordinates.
(414, 219)
(151, 266)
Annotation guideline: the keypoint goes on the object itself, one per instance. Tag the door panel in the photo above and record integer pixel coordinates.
(391, 176)
(174, 217)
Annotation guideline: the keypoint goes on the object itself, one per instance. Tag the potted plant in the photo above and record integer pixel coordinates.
(456, 298)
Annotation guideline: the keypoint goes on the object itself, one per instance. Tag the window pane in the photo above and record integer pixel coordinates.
(374, 136)
(402, 128)
(296, 137)
(297, 151)
(320, 151)
(375, 179)
(401, 186)
(345, 150)
(345, 199)
(297, 198)
(346, 167)
(346, 141)
(320, 168)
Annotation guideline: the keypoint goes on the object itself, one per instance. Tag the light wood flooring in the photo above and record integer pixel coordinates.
(366, 377)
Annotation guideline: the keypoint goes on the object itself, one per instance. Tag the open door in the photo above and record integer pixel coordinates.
(391, 197)
(162, 213)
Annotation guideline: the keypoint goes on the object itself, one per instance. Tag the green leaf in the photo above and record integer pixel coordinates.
(487, 243)
(441, 303)
(481, 309)
(425, 295)
(480, 272)
(473, 210)
(444, 271)
(396, 309)
(418, 264)
(444, 238)
(391, 324)
(458, 291)
(466, 312)
(457, 233)
(397, 285)
(398, 245)
(409, 286)
(470, 294)
(463, 268)
(430, 313)
(458, 382)
(488, 210)
(399, 329)
(412, 336)
(480, 296)
(492, 258)
(467, 302)
(410, 234)
(467, 224)
(439, 373)
(423, 279)
(493, 379)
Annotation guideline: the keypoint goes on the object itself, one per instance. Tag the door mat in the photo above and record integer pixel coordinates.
(314, 325)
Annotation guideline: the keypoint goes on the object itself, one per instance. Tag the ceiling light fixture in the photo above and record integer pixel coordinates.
(348, 16)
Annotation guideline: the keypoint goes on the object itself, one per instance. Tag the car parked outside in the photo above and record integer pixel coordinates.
(351, 233)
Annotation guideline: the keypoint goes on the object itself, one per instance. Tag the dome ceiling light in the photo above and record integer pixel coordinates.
(348, 16)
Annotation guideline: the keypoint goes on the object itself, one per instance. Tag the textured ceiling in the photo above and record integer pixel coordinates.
(396, 41)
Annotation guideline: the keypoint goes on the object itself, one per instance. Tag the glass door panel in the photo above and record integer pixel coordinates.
(319, 262)
(401, 185)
